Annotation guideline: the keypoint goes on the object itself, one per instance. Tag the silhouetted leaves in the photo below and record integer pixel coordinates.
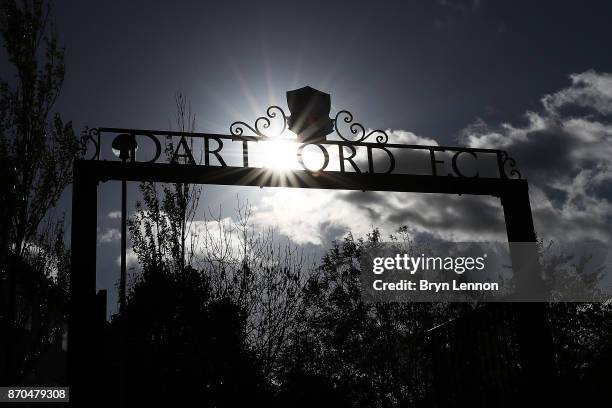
(37, 148)
(186, 345)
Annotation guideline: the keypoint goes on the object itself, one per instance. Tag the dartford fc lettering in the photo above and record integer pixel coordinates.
(346, 154)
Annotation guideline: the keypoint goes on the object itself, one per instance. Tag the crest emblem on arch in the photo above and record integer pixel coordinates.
(310, 110)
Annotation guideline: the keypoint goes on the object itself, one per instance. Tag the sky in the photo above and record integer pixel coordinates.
(534, 78)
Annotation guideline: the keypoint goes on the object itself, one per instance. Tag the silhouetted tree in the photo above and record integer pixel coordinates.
(36, 152)
(582, 332)
(263, 274)
(373, 353)
(260, 276)
(161, 229)
(378, 354)
(36, 146)
(185, 345)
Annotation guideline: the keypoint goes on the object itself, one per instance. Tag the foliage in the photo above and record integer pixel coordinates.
(569, 276)
(40, 285)
(36, 146)
(374, 352)
(36, 152)
(161, 229)
(260, 274)
(186, 345)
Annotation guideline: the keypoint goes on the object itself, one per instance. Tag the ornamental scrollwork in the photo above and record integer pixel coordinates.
(262, 124)
(90, 136)
(508, 163)
(358, 129)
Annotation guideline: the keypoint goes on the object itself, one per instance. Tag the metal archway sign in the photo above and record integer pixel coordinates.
(353, 158)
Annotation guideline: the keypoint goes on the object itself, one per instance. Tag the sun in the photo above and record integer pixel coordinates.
(281, 155)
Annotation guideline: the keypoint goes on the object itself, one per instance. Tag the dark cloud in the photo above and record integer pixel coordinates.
(564, 151)
(544, 156)
(331, 231)
(470, 214)
(361, 198)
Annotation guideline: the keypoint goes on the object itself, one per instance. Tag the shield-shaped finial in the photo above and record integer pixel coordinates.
(309, 114)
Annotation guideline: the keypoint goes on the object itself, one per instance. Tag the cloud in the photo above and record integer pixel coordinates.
(563, 150)
(589, 89)
(110, 235)
(306, 217)
(318, 217)
(114, 215)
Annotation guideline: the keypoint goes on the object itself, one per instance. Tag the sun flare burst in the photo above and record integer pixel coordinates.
(281, 154)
